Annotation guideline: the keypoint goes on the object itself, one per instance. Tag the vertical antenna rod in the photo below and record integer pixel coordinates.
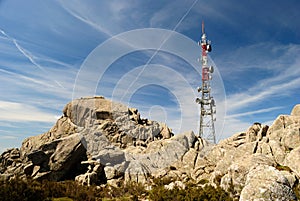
(207, 102)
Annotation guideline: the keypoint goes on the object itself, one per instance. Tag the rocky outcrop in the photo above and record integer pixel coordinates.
(292, 161)
(10, 164)
(98, 141)
(90, 129)
(296, 110)
(266, 183)
(94, 175)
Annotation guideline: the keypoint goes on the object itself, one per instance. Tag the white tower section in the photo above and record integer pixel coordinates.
(207, 103)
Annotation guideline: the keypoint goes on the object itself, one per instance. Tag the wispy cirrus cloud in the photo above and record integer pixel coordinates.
(81, 12)
(265, 110)
(278, 78)
(246, 99)
(275, 79)
(28, 55)
(18, 112)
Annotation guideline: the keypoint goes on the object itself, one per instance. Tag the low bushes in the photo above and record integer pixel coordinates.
(18, 189)
(192, 192)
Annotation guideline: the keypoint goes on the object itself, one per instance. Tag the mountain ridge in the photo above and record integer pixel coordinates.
(97, 141)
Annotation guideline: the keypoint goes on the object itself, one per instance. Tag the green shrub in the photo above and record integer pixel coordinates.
(18, 189)
(190, 193)
(62, 199)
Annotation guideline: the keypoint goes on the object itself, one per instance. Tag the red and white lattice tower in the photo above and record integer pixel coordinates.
(207, 103)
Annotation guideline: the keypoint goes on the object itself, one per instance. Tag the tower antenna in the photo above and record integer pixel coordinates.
(207, 102)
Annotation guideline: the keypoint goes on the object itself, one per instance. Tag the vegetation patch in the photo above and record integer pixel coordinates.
(18, 189)
(192, 192)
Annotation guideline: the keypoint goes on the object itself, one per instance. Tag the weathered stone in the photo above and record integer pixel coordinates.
(88, 178)
(42, 175)
(172, 185)
(285, 129)
(266, 183)
(165, 131)
(62, 128)
(66, 159)
(235, 178)
(28, 169)
(292, 160)
(251, 134)
(94, 175)
(37, 157)
(161, 154)
(262, 132)
(136, 171)
(296, 110)
(235, 140)
(189, 159)
(35, 170)
(134, 115)
(187, 139)
(290, 177)
(14, 153)
(291, 138)
(110, 172)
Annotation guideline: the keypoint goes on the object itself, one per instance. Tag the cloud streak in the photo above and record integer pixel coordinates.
(76, 9)
(253, 112)
(19, 112)
(28, 55)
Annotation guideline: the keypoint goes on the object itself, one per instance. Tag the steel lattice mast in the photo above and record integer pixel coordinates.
(207, 103)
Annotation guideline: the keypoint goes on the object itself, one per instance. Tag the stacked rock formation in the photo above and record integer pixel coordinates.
(98, 141)
(91, 129)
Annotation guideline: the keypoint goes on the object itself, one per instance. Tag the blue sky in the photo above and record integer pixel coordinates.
(45, 44)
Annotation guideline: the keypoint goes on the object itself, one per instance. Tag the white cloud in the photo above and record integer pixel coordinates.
(258, 93)
(7, 137)
(281, 83)
(265, 110)
(281, 67)
(87, 14)
(18, 112)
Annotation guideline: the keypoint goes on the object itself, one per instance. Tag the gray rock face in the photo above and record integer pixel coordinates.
(56, 160)
(285, 130)
(117, 137)
(94, 175)
(293, 161)
(158, 155)
(90, 128)
(10, 163)
(266, 183)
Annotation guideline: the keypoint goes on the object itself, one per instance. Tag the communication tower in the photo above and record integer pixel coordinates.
(207, 102)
